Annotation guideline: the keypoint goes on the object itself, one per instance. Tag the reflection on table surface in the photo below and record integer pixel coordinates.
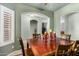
(43, 47)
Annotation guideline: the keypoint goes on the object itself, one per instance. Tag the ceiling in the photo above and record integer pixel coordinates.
(47, 6)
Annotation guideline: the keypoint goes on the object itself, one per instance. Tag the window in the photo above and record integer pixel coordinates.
(6, 26)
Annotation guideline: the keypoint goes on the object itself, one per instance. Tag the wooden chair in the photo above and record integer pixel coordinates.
(70, 50)
(36, 36)
(68, 36)
(22, 45)
(39, 36)
(76, 48)
(77, 43)
(63, 50)
(26, 52)
(63, 36)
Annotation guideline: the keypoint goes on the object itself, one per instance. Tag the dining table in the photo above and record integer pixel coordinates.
(41, 47)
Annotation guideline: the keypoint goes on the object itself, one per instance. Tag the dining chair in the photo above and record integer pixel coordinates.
(27, 51)
(36, 36)
(77, 43)
(76, 48)
(62, 50)
(62, 35)
(22, 45)
(71, 49)
(68, 36)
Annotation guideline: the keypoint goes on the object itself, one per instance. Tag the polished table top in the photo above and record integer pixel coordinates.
(42, 47)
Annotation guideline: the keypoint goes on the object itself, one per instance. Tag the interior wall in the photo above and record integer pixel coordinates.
(70, 8)
(19, 9)
(72, 25)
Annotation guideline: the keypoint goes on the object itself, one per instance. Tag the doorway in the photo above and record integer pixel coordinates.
(44, 27)
(33, 26)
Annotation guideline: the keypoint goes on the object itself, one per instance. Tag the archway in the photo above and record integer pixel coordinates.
(33, 19)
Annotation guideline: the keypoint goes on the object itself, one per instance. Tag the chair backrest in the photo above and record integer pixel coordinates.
(76, 43)
(22, 45)
(62, 32)
(68, 36)
(63, 48)
(36, 36)
(75, 48)
(27, 45)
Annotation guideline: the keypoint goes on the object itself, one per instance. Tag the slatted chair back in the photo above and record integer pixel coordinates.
(63, 49)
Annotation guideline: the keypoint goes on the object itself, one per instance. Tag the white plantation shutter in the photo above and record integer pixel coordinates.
(6, 26)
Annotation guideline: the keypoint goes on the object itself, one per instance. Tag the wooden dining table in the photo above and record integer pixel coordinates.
(42, 47)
